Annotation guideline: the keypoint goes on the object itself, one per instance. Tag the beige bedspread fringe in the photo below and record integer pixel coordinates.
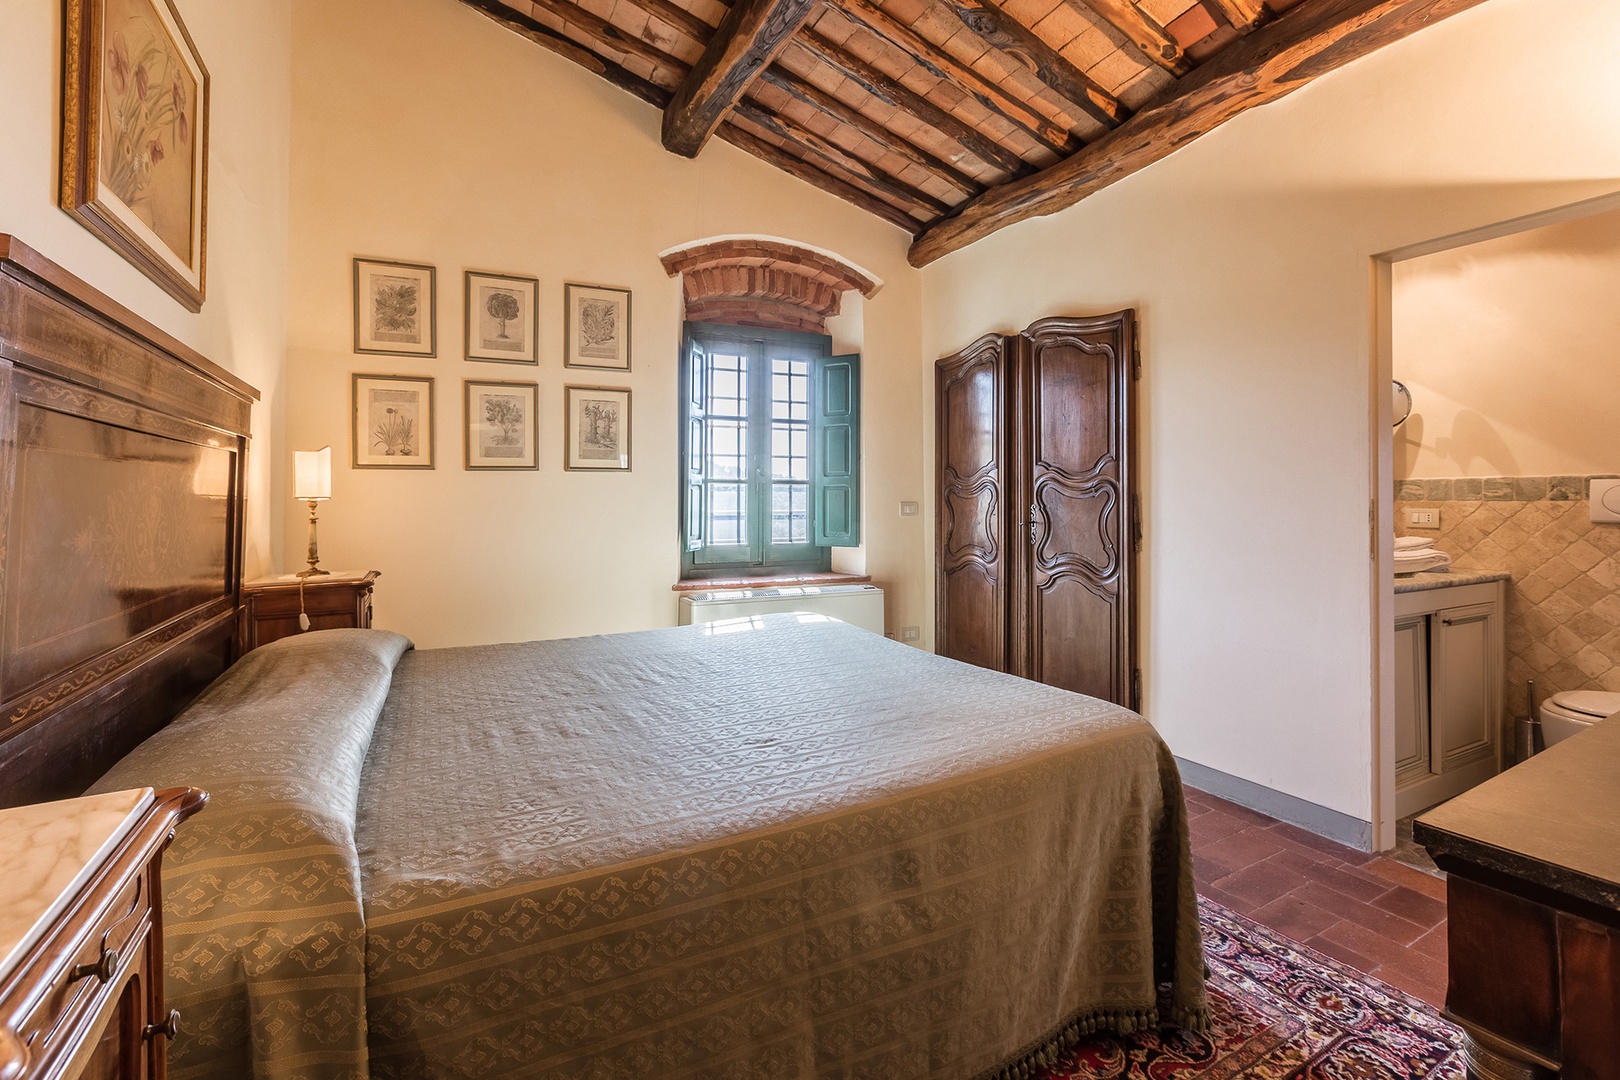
(1044, 1054)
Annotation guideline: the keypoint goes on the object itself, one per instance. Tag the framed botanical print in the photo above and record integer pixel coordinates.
(135, 138)
(503, 424)
(596, 327)
(395, 305)
(393, 422)
(596, 428)
(503, 318)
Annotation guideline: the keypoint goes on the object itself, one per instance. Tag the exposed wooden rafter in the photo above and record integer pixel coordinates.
(745, 43)
(1308, 41)
(890, 92)
(1244, 15)
(1001, 31)
(566, 47)
(936, 61)
(1153, 40)
(816, 98)
(797, 166)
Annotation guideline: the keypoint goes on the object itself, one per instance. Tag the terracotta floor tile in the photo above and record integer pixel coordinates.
(1353, 884)
(1412, 906)
(1260, 883)
(1369, 943)
(1391, 927)
(1322, 844)
(1237, 850)
(1340, 953)
(1401, 874)
(1227, 900)
(1242, 813)
(1419, 975)
(1296, 917)
(1432, 944)
(1209, 827)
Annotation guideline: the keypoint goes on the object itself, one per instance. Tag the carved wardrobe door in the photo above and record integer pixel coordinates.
(1038, 524)
(971, 591)
(1074, 621)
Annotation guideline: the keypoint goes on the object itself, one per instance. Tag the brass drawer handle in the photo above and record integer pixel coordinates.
(168, 1029)
(105, 967)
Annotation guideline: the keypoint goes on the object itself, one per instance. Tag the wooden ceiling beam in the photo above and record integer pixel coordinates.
(1003, 32)
(892, 93)
(678, 17)
(607, 34)
(774, 155)
(891, 141)
(569, 49)
(937, 62)
(1308, 41)
(1141, 30)
(745, 43)
(869, 175)
(1244, 15)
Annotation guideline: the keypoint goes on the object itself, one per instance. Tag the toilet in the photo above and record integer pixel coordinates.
(1571, 712)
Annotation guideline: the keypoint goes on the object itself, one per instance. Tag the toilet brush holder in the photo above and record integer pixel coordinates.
(1528, 740)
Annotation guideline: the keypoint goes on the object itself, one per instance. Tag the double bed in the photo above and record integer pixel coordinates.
(779, 847)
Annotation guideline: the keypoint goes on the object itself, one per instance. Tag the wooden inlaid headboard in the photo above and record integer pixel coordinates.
(121, 502)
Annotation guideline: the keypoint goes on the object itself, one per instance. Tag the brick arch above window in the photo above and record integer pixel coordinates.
(757, 281)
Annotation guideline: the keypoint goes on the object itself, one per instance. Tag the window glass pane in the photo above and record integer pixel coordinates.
(727, 515)
(790, 389)
(728, 385)
(727, 449)
(790, 513)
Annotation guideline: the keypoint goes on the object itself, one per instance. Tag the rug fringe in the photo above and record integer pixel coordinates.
(1097, 1022)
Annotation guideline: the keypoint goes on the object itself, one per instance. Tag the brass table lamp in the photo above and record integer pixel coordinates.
(312, 483)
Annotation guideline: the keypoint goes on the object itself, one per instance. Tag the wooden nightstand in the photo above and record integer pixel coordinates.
(335, 601)
(81, 936)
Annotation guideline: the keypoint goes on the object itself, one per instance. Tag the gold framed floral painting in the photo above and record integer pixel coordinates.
(135, 138)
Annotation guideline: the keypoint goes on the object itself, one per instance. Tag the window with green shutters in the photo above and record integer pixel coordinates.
(770, 451)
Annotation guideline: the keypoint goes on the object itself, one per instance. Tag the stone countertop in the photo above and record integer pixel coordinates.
(49, 850)
(1405, 583)
(1550, 821)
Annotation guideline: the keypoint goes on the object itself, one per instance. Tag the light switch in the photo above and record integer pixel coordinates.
(1604, 501)
(909, 509)
(1422, 518)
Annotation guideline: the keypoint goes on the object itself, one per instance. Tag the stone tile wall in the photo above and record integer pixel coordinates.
(1563, 604)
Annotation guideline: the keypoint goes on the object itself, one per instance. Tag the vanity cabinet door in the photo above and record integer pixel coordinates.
(1464, 727)
(1411, 699)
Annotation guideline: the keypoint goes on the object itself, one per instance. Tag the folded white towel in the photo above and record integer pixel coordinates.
(1413, 543)
(1420, 562)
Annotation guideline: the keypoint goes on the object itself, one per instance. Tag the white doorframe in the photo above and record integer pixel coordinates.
(1381, 476)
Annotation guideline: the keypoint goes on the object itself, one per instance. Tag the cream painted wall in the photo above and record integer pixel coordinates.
(423, 131)
(1511, 348)
(1247, 256)
(246, 48)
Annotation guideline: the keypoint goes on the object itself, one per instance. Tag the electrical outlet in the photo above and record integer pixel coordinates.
(1422, 518)
(910, 509)
(910, 633)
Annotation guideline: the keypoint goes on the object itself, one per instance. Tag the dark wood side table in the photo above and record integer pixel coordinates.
(81, 936)
(1533, 913)
(335, 601)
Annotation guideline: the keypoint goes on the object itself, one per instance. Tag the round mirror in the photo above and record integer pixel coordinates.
(1401, 401)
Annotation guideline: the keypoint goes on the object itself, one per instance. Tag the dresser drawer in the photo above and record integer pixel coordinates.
(97, 954)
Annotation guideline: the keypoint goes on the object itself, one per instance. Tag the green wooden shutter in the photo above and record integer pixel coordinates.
(835, 447)
(692, 442)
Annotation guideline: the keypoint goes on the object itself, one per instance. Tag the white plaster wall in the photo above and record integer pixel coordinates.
(1247, 255)
(423, 131)
(246, 48)
(1511, 348)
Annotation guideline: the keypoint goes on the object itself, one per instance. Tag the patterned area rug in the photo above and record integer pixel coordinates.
(1280, 1011)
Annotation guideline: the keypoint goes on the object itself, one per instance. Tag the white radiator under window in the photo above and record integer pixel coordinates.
(858, 605)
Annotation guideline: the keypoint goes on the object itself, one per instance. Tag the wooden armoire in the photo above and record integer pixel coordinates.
(1038, 516)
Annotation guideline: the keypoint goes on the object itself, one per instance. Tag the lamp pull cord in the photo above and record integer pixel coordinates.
(303, 616)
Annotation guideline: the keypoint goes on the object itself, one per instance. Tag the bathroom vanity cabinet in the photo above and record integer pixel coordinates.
(1449, 665)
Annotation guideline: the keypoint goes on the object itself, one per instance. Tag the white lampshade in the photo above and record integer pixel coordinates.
(312, 474)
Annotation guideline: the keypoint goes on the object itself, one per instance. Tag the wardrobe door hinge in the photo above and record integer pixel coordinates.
(1136, 360)
(1136, 523)
(1136, 689)
(1372, 530)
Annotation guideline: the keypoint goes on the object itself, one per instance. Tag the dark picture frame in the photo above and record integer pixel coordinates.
(393, 319)
(596, 327)
(491, 440)
(393, 426)
(488, 329)
(596, 428)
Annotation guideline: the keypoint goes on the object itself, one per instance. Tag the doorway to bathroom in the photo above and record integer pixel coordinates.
(1490, 573)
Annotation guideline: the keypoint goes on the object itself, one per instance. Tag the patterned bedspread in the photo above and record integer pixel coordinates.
(776, 848)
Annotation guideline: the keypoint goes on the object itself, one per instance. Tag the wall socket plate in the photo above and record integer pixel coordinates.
(1427, 517)
(910, 509)
(910, 633)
